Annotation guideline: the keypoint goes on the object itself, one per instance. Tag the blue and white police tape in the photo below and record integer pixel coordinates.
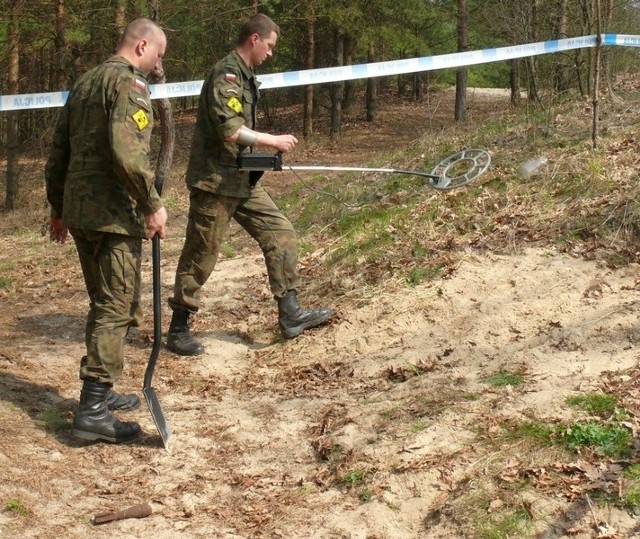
(351, 72)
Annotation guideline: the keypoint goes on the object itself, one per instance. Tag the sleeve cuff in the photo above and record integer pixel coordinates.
(152, 205)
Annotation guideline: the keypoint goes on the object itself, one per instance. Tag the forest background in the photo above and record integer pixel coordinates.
(46, 44)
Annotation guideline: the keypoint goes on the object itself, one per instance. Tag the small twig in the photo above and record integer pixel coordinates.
(596, 524)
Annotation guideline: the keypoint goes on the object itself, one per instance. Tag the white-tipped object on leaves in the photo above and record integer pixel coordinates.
(532, 166)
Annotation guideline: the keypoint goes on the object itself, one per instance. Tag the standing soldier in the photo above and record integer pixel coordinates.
(219, 191)
(101, 189)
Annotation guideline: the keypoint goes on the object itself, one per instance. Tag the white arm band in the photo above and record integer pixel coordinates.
(247, 137)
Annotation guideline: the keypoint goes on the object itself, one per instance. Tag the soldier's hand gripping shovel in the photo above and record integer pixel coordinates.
(163, 164)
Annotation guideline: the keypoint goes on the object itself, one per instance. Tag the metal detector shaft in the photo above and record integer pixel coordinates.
(149, 393)
(361, 169)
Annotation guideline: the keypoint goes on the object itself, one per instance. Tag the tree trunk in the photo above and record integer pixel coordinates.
(596, 75)
(560, 81)
(13, 117)
(61, 45)
(349, 85)
(461, 74)
(514, 81)
(307, 120)
(120, 17)
(372, 87)
(167, 134)
(167, 126)
(336, 87)
(530, 61)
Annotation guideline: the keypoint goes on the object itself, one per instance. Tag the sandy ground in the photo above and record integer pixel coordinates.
(376, 426)
(264, 429)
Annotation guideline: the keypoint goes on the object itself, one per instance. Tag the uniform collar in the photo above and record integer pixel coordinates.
(122, 60)
(247, 71)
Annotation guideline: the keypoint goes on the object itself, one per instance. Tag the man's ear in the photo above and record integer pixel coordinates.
(254, 38)
(142, 45)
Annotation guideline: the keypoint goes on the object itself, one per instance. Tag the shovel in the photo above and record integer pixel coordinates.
(163, 164)
(149, 393)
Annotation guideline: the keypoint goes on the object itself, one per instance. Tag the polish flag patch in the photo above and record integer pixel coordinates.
(140, 84)
(231, 77)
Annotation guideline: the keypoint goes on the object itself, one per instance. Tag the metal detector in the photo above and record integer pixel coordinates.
(457, 170)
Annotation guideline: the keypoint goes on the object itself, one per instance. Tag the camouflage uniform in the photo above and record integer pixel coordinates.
(220, 192)
(99, 181)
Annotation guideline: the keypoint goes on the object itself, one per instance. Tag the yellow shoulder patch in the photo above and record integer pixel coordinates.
(235, 105)
(141, 119)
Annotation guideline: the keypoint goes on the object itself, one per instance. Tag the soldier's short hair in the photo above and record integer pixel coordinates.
(139, 29)
(259, 24)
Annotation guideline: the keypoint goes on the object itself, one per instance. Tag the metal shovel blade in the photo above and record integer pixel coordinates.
(149, 393)
(157, 414)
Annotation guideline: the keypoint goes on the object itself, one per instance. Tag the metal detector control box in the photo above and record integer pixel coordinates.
(259, 161)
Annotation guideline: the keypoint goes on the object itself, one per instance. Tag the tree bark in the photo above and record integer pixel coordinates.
(61, 45)
(530, 61)
(336, 87)
(560, 82)
(13, 117)
(461, 75)
(372, 88)
(514, 81)
(596, 75)
(307, 119)
(349, 85)
(167, 126)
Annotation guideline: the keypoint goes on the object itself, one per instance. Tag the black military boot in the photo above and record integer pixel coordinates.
(122, 403)
(293, 319)
(179, 338)
(94, 421)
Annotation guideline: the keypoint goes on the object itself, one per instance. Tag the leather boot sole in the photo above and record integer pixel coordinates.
(96, 436)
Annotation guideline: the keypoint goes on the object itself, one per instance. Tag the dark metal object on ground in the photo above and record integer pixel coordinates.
(142, 510)
(454, 171)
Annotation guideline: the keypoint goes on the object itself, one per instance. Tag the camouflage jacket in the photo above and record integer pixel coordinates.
(228, 100)
(98, 175)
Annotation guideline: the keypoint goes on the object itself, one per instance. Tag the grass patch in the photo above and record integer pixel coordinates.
(5, 282)
(15, 507)
(505, 525)
(504, 378)
(51, 420)
(353, 477)
(598, 404)
(420, 275)
(611, 440)
(605, 439)
(541, 433)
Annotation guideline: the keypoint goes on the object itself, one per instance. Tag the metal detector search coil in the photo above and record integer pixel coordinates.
(454, 171)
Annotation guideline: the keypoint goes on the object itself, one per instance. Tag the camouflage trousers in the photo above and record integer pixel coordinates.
(209, 217)
(111, 268)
